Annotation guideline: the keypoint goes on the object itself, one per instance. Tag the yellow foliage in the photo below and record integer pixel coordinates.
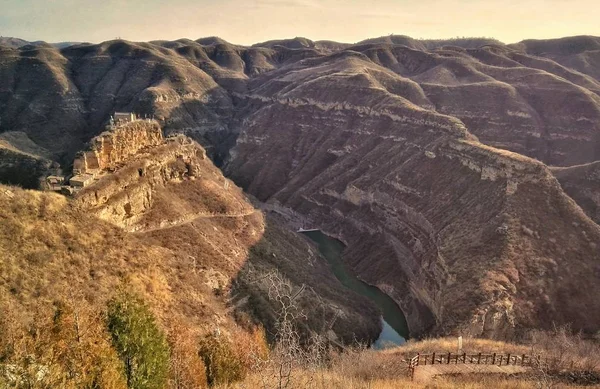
(68, 348)
(187, 369)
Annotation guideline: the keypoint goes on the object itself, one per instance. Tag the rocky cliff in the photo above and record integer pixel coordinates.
(114, 147)
(465, 237)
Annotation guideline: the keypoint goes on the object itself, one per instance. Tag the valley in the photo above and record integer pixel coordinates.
(455, 183)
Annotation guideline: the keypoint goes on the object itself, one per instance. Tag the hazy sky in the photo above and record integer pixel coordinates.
(251, 21)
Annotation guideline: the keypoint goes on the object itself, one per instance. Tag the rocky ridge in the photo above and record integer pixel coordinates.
(114, 147)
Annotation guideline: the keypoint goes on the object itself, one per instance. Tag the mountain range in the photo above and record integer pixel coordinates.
(462, 174)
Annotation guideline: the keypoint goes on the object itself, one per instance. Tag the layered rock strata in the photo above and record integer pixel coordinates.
(466, 238)
(538, 98)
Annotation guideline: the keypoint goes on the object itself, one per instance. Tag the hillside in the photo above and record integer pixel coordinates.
(427, 158)
(198, 245)
(15, 43)
(23, 162)
(465, 237)
(582, 182)
(513, 97)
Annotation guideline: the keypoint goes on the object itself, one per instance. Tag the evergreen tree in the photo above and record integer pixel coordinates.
(139, 342)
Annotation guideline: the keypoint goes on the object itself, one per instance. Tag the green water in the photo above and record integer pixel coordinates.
(395, 329)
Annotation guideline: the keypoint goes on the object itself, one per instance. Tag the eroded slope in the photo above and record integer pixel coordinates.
(463, 236)
(171, 196)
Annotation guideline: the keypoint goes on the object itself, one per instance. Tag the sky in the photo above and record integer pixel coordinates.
(252, 21)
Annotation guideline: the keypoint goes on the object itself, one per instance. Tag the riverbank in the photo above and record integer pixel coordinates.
(394, 327)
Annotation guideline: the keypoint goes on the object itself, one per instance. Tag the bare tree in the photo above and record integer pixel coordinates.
(292, 361)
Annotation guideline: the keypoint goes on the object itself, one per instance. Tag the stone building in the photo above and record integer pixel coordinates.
(124, 117)
(81, 180)
(55, 182)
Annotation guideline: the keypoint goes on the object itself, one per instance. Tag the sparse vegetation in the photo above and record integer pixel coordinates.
(186, 370)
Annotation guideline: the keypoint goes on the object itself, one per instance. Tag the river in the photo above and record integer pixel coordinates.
(395, 329)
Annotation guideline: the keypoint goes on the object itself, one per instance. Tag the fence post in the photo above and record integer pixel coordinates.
(465, 358)
(479, 359)
(433, 359)
(448, 361)
(507, 359)
(523, 360)
(494, 359)
(418, 357)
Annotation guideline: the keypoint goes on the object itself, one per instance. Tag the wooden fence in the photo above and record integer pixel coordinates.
(477, 359)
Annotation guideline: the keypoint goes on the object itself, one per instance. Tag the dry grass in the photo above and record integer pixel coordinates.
(50, 249)
(326, 379)
(445, 345)
(364, 368)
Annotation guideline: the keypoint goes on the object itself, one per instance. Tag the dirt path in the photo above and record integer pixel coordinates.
(426, 373)
(195, 217)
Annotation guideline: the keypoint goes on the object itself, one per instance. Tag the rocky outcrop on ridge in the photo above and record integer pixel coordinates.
(115, 146)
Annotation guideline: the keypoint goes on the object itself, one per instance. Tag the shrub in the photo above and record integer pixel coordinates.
(223, 364)
(187, 370)
(251, 347)
(139, 342)
(68, 349)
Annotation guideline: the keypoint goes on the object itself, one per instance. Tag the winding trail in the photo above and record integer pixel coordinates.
(193, 218)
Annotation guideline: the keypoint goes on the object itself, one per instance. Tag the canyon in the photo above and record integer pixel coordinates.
(167, 223)
(461, 175)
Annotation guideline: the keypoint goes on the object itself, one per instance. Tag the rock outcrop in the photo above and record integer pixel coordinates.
(114, 147)
(125, 196)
